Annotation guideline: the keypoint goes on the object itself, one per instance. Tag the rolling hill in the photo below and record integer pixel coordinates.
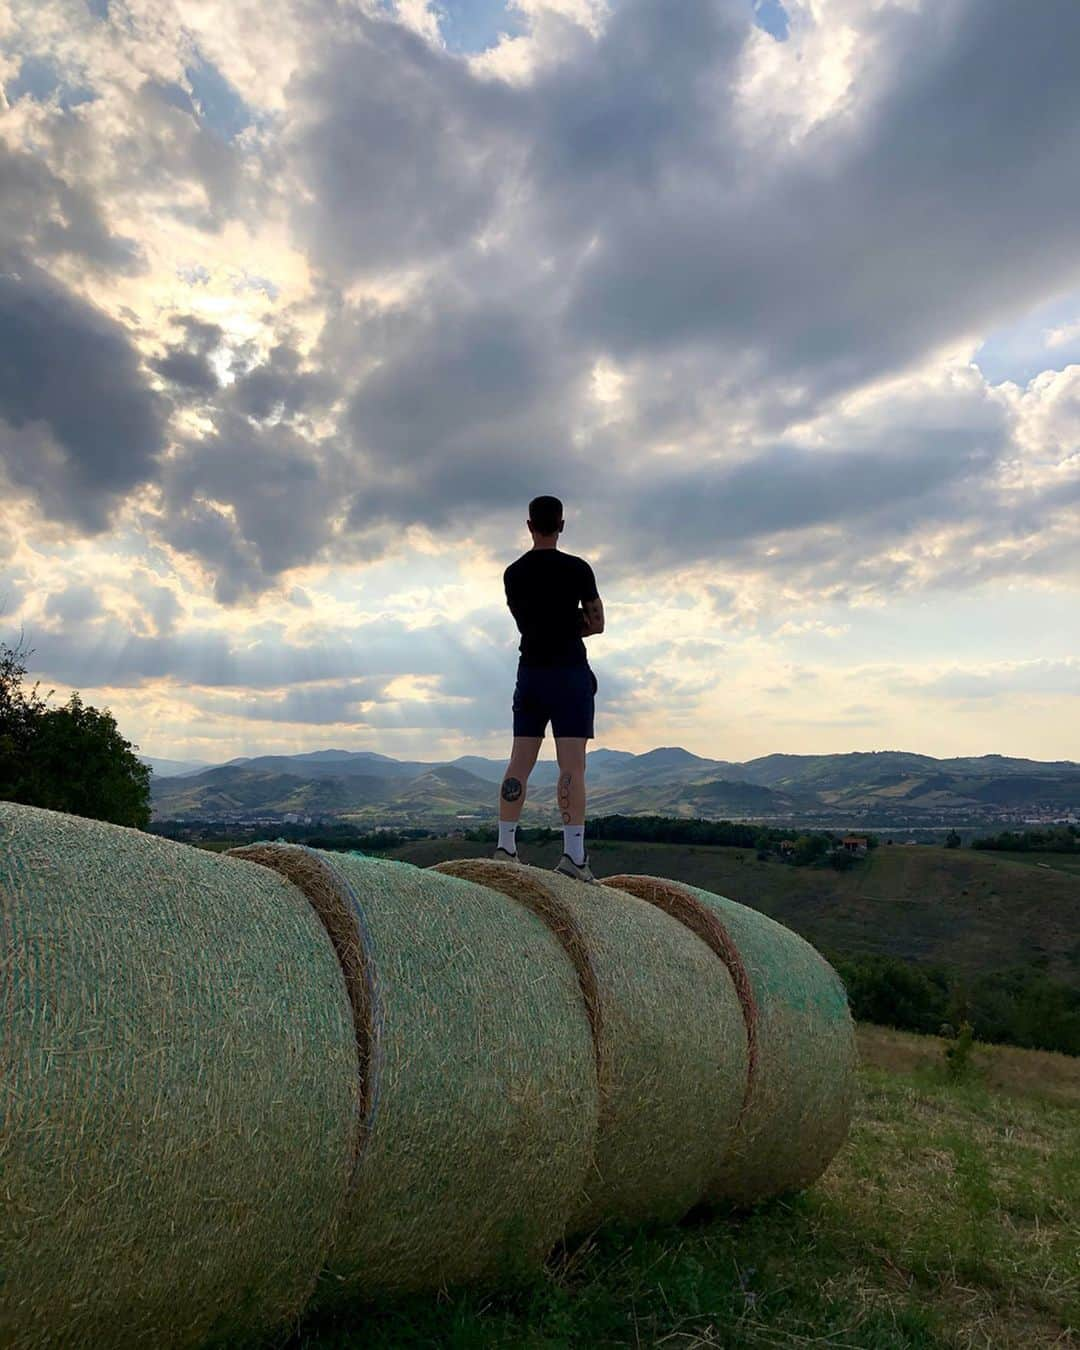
(878, 789)
(967, 910)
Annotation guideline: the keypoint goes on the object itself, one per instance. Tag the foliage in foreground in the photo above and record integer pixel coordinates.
(71, 758)
(951, 1218)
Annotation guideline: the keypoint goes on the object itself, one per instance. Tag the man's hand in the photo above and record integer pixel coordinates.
(592, 617)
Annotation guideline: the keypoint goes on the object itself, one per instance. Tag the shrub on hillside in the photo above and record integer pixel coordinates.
(958, 1052)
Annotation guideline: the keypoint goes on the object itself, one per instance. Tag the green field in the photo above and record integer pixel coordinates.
(1069, 863)
(971, 911)
(951, 1218)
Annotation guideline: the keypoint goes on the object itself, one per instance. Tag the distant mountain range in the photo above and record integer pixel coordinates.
(880, 787)
(174, 768)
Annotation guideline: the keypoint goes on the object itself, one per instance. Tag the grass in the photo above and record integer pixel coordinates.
(967, 910)
(950, 1219)
(1068, 863)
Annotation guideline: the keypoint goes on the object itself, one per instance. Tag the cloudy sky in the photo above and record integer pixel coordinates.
(302, 300)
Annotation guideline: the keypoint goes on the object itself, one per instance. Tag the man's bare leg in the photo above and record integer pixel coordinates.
(570, 752)
(514, 785)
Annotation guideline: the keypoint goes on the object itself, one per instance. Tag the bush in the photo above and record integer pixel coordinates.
(1020, 1007)
(958, 1052)
(892, 993)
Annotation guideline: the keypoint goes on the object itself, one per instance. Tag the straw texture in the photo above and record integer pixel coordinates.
(800, 1091)
(671, 1047)
(482, 1102)
(177, 1090)
(335, 908)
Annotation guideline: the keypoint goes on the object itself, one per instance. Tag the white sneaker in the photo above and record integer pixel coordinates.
(504, 855)
(568, 868)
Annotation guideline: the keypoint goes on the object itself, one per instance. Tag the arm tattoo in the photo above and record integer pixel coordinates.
(511, 789)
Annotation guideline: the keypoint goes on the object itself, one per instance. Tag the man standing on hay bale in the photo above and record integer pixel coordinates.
(554, 601)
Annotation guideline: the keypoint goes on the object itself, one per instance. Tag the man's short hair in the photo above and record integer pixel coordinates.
(545, 514)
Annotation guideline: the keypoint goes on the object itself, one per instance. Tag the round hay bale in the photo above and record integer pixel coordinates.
(544, 902)
(178, 1106)
(482, 1097)
(800, 1090)
(671, 1043)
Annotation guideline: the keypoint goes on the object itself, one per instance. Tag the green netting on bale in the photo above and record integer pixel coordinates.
(672, 1053)
(801, 1089)
(482, 1097)
(177, 1090)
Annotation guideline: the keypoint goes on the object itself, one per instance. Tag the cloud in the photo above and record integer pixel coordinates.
(295, 282)
(279, 386)
(319, 705)
(74, 604)
(114, 655)
(251, 502)
(190, 362)
(1001, 680)
(938, 207)
(469, 411)
(189, 369)
(43, 214)
(401, 153)
(79, 426)
(604, 210)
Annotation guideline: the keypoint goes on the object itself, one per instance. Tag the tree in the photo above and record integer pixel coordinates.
(66, 759)
(20, 711)
(810, 847)
(892, 993)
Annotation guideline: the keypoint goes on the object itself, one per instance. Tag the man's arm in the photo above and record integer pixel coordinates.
(509, 590)
(592, 617)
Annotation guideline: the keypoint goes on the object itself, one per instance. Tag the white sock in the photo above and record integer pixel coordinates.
(507, 833)
(574, 842)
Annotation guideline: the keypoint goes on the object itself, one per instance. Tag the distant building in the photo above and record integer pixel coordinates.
(854, 843)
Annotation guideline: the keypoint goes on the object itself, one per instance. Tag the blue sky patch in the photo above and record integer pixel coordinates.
(773, 17)
(475, 25)
(220, 106)
(40, 79)
(1046, 338)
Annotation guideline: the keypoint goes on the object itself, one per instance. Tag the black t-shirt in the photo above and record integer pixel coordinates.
(544, 590)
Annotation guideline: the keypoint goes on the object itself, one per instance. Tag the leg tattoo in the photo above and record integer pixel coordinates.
(511, 789)
(564, 796)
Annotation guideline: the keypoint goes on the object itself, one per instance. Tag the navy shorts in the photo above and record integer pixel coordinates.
(565, 696)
